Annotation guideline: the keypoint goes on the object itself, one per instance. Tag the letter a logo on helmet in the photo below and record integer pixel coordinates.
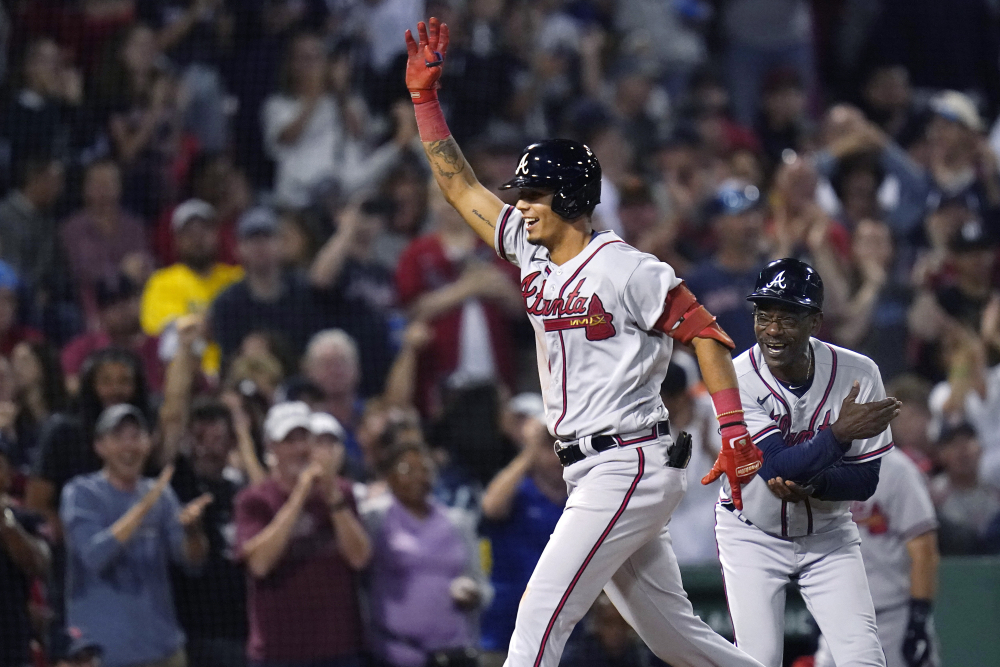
(777, 281)
(791, 282)
(522, 166)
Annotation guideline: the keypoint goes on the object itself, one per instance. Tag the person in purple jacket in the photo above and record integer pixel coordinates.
(426, 584)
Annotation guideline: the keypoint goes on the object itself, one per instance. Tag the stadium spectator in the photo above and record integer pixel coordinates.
(189, 286)
(109, 377)
(723, 281)
(874, 319)
(607, 641)
(453, 281)
(521, 506)
(347, 261)
(144, 120)
(194, 37)
(301, 541)
(308, 131)
(269, 298)
(28, 239)
(332, 365)
(40, 119)
(103, 240)
(692, 524)
(965, 505)
(782, 124)
(24, 557)
(212, 178)
(911, 431)
(211, 605)
(426, 581)
(39, 392)
(117, 301)
(960, 161)
(872, 176)
(761, 36)
(12, 330)
(122, 531)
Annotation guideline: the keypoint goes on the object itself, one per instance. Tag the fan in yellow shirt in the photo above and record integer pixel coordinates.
(190, 285)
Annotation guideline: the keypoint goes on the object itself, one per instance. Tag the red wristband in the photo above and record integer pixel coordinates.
(729, 409)
(430, 120)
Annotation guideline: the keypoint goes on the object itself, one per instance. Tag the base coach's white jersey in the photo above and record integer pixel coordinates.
(769, 408)
(599, 364)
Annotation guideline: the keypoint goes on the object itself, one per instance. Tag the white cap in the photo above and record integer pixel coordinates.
(321, 423)
(192, 208)
(959, 108)
(528, 405)
(284, 418)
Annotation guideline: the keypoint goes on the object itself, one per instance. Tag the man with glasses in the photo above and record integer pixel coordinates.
(821, 418)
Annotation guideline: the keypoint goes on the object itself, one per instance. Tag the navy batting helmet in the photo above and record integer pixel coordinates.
(791, 282)
(567, 168)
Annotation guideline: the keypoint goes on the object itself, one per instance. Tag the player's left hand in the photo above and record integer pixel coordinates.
(917, 642)
(424, 59)
(786, 489)
(739, 459)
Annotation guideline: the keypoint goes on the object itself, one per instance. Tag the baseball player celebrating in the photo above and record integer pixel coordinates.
(820, 416)
(899, 546)
(605, 317)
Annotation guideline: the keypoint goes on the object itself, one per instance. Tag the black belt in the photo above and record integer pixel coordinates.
(677, 457)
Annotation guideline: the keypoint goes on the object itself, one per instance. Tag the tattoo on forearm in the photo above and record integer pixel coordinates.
(446, 157)
(483, 218)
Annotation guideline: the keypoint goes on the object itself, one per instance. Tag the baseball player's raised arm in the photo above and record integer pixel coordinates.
(425, 59)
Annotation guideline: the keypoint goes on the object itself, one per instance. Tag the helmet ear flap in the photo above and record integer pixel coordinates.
(572, 205)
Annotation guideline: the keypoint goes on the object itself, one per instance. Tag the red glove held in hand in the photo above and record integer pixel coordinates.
(739, 459)
(424, 60)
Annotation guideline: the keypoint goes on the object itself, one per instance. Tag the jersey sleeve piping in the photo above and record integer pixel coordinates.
(919, 528)
(869, 456)
(766, 431)
(498, 245)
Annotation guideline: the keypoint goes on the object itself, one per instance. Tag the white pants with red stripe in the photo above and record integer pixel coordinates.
(831, 578)
(613, 536)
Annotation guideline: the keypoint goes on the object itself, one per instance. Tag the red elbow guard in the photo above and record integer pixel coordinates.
(684, 319)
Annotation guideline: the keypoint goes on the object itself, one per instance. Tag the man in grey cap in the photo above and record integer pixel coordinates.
(188, 286)
(269, 298)
(122, 530)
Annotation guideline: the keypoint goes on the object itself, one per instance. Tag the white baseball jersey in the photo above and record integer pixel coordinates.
(601, 371)
(769, 408)
(900, 510)
(599, 365)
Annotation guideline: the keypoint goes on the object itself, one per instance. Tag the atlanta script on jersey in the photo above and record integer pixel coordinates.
(599, 360)
(770, 408)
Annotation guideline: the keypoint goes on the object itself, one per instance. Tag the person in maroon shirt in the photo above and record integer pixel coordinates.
(117, 301)
(103, 239)
(299, 535)
(469, 296)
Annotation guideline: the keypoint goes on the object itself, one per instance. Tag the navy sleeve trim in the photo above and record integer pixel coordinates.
(868, 456)
(799, 462)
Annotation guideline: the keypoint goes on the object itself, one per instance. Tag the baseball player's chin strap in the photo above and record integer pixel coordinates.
(684, 319)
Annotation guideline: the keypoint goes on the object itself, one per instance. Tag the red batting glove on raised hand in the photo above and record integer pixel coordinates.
(424, 60)
(739, 459)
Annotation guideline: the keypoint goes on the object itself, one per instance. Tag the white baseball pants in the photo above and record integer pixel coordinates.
(892, 625)
(831, 579)
(612, 535)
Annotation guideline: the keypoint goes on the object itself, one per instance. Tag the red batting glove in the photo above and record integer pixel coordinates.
(424, 60)
(739, 459)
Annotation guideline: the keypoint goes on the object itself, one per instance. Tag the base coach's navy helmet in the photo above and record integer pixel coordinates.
(567, 168)
(791, 282)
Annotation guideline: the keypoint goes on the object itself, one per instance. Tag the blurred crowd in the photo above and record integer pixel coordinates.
(265, 399)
